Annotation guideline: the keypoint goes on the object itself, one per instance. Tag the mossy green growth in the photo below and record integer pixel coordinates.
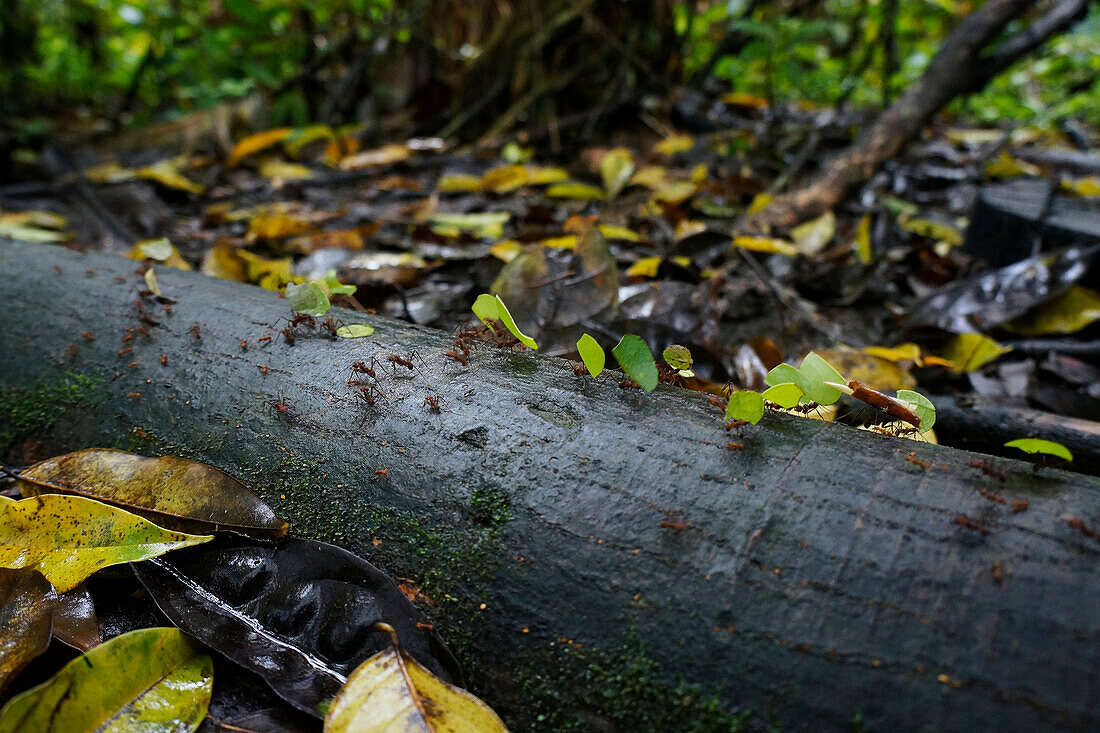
(490, 505)
(33, 411)
(570, 688)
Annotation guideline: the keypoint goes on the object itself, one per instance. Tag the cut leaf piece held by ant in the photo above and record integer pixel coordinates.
(891, 406)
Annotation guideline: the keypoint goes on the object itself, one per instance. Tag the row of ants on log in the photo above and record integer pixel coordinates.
(365, 378)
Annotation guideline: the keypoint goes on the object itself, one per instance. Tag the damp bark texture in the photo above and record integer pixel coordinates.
(802, 570)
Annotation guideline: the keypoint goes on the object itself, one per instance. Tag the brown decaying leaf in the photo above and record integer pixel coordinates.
(74, 620)
(26, 609)
(173, 492)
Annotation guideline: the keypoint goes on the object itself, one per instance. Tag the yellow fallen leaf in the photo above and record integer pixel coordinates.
(274, 169)
(223, 260)
(1083, 186)
(255, 143)
(504, 179)
(934, 230)
(674, 144)
(645, 267)
(688, 228)
(392, 692)
(540, 175)
(616, 168)
(741, 99)
(267, 273)
(770, 245)
(759, 202)
(459, 182)
(303, 136)
(863, 240)
(901, 352)
(575, 191)
(1066, 313)
(871, 370)
(675, 192)
(506, 250)
(567, 242)
(1005, 166)
(275, 226)
(385, 155)
(166, 173)
(610, 231)
(813, 236)
(161, 250)
(652, 177)
(970, 351)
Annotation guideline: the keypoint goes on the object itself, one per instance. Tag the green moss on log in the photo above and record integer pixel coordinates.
(30, 412)
(569, 687)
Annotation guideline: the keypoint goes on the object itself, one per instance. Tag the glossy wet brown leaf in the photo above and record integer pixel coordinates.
(172, 492)
(26, 609)
(74, 620)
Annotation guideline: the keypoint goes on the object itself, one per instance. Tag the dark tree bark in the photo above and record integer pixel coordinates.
(959, 68)
(800, 569)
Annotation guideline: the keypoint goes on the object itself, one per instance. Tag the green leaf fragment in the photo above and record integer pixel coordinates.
(308, 298)
(506, 317)
(333, 286)
(354, 331)
(592, 354)
(785, 395)
(746, 405)
(1038, 445)
(920, 405)
(678, 357)
(816, 371)
(637, 361)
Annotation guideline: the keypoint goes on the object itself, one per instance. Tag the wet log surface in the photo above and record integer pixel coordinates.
(812, 574)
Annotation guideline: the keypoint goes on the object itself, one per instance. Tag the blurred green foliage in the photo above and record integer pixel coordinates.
(154, 59)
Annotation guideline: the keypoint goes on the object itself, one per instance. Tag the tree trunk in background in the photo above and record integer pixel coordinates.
(587, 549)
(958, 69)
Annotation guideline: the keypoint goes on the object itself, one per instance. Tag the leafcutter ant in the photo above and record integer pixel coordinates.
(396, 360)
(461, 358)
(432, 402)
(964, 521)
(361, 368)
(988, 470)
(196, 331)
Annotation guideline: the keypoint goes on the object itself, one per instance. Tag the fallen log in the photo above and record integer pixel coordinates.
(596, 557)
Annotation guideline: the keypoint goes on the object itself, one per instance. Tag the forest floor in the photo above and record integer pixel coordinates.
(644, 235)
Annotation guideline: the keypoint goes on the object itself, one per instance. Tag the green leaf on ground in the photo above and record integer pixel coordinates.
(355, 331)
